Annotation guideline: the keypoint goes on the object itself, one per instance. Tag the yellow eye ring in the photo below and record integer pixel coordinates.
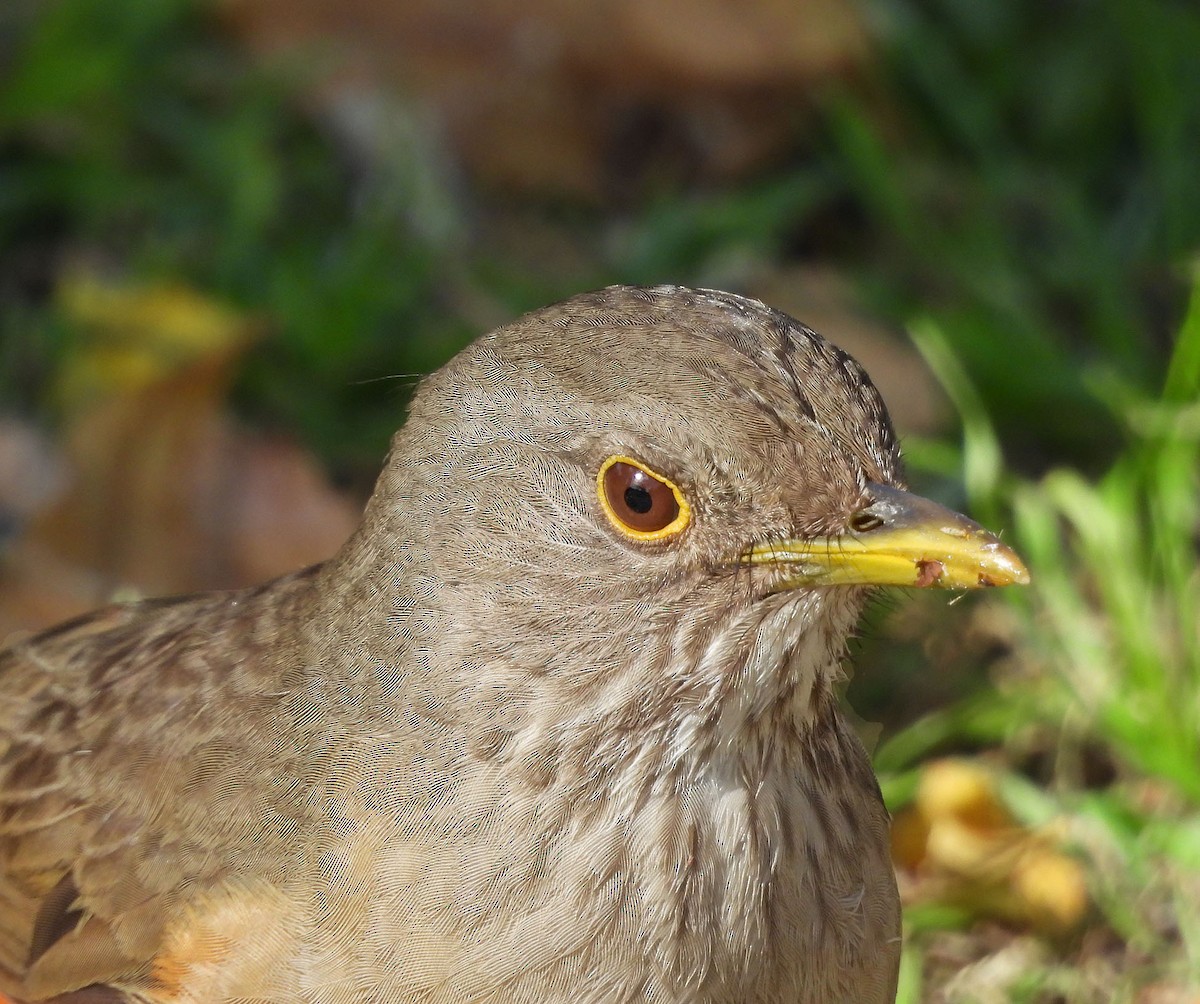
(641, 503)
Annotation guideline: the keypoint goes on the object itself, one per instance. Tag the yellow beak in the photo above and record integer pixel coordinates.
(904, 540)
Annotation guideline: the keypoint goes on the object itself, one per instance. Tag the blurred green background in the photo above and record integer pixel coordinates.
(1003, 196)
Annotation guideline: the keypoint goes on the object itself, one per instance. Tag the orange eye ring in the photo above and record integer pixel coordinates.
(641, 503)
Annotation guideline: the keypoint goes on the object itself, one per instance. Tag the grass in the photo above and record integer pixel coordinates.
(1112, 670)
(136, 139)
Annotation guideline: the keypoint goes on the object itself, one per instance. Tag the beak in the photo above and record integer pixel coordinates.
(901, 540)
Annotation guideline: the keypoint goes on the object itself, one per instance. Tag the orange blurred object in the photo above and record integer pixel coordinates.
(958, 844)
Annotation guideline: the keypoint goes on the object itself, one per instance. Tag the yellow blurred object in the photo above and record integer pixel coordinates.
(958, 844)
(163, 490)
(135, 336)
(1052, 888)
(962, 790)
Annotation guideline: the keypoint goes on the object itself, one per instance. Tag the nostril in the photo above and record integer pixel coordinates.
(865, 520)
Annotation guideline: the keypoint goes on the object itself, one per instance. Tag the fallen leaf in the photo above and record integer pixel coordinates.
(165, 492)
(958, 844)
(597, 100)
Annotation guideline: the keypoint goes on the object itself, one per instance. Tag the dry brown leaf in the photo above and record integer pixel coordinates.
(595, 99)
(166, 493)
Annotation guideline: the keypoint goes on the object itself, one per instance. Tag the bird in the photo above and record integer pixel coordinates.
(558, 723)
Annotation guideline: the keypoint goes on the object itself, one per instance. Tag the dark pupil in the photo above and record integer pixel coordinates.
(638, 499)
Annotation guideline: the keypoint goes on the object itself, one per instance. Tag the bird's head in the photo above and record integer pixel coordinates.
(659, 491)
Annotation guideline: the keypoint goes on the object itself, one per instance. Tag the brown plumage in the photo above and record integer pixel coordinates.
(502, 747)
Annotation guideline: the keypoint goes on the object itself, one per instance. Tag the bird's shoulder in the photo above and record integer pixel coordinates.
(138, 646)
(103, 719)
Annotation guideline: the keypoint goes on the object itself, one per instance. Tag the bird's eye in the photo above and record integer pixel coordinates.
(642, 504)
